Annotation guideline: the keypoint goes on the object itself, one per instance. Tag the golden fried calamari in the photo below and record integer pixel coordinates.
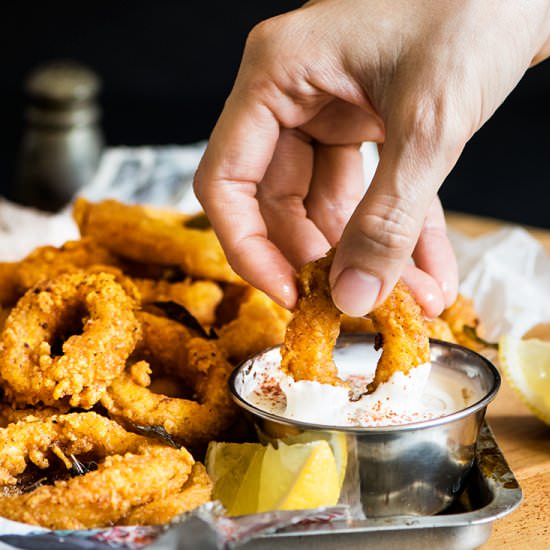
(142, 234)
(195, 421)
(132, 470)
(195, 491)
(312, 332)
(260, 324)
(403, 334)
(102, 497)
(47, 262)
(67, 338)
(200, 298)
(40, 440)
(10, 415)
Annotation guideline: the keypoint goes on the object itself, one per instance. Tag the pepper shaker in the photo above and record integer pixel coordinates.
(62, 142)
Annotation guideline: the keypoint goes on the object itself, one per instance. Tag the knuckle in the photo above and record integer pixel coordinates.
(390, 231)
(433, 126)
(264, 36)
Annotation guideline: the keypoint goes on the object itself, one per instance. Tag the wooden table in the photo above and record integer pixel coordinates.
(524, 439)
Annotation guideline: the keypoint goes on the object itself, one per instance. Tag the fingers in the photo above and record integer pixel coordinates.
(281, 197)
(337, 187)
(239, 152)
(434, 254)
(425, 289)
(382, 233)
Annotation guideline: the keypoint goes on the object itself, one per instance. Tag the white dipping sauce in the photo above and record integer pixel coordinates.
(426, 392)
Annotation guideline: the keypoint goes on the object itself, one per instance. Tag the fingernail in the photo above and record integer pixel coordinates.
(285, 295)
(449, 292)
(355, 292)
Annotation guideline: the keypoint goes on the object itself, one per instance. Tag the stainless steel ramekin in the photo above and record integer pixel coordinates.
(411, 469)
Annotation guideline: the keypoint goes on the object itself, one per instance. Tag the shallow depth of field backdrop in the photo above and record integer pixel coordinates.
(167, 67)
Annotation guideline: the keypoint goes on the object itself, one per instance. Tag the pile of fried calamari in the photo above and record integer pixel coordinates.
(115, 352)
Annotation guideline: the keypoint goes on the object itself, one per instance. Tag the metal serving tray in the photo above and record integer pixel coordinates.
(491, 492)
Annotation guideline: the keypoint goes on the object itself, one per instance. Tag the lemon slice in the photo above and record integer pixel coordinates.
(235, 470)
(526, 365)
(298, 476)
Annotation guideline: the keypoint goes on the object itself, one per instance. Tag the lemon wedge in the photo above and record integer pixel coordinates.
(526, 365)
(251, 477)
(299, 476)
(235, 470)
(338, 445)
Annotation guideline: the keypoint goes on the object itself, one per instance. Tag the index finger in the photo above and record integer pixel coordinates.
(235, 161)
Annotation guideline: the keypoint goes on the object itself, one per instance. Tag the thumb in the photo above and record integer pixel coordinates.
(381, 235)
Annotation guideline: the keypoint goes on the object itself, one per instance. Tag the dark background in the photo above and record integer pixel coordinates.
(167, 67)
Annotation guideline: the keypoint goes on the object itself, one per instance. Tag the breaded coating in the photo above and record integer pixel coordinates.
(47, 262)
(403, 335)
(311, 334)
(193, 422)
(103, 497)
(200, 298)
(163, 343)
(67, 338)
(34, 439)
(10, 415)
(145, 235)
(196, 491)
(260, 324)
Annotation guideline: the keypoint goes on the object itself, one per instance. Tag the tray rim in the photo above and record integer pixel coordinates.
(505, 500)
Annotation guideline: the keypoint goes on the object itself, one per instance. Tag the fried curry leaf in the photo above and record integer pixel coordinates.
(80, 468)
(157, 432)
(182, 315)
(471, 332)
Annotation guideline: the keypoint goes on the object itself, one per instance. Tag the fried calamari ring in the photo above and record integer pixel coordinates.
(143, 234)
(260, 324)
(10, 415)
(200, 298)
(133, 471)
(196, 491)
(403, 335)
(463, 314)
(47, 262)
(193, 422)
(38, 441)
(311, 334)
(163, 343)
(40, 361)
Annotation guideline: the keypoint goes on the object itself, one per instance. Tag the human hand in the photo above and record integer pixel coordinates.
(281, 179)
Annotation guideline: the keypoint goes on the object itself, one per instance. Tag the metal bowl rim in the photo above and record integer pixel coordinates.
(425, 424)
